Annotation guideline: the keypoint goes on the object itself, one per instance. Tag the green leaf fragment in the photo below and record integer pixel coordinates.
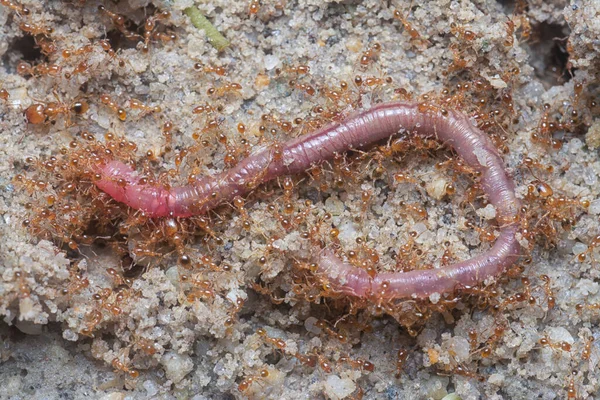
(214, 37)
(451, 396)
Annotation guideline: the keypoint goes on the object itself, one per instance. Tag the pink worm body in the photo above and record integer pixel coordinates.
(449, 127)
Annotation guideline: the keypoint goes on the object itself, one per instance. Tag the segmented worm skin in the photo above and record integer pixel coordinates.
(452, 128)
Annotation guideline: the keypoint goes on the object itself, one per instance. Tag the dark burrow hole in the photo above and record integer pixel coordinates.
(118, 40)
(26, 46)
(13, 334)
(273, 358)
(548, 53)
(130, 268)
(512, 6)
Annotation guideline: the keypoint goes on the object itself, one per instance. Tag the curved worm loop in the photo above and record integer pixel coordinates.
(450, 127)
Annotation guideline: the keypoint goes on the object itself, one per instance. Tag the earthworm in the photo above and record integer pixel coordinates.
(452, 128)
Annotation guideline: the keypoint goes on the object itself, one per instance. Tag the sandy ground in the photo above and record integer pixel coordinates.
(523, 351)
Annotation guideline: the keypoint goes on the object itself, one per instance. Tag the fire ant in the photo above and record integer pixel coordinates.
(305, 87)
(220, 71)
(510, 31)
(571, 391)
(563, 346)
(87, 49)
(38, 113)
(145, 109)
(409, 28)
(145, 345)
(595, 242)
(254, 7)
(245, 384)
(370, 55)
(121, 113)
(35, 30)
(120, 22)
(42, 69)
(119, 365)
(19, 9)
(76, 282)
(587, 349)
(462, 33)
(357, 364)
(277, 343)
(401, 358)
(93, 319)
(227, 88)
(150, 26)
(297, 70)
